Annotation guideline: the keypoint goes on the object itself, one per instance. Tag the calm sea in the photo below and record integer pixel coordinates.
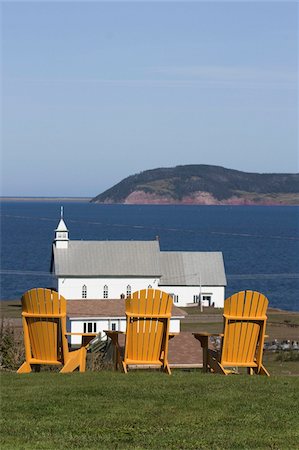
(260, 245)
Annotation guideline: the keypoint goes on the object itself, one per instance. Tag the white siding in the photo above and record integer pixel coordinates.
(175, 325)
(186, 294)
(62, 243)
(71, 288)
(77, 326)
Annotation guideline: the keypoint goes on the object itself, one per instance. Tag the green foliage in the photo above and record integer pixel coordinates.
(292, 355)
(11, 351)
(222, 183)
(148, 410)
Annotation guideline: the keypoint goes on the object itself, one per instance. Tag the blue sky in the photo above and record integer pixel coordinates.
(96, 91)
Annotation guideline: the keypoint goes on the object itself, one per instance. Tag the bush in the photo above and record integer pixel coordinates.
(11, 350)
(284, 356)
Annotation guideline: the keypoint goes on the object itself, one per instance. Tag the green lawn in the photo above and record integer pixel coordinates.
(275, 366)
(10, 309)
(141, 410)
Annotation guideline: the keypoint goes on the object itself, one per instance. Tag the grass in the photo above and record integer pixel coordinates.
(195, 310)
(282, 367)
(10, 309)
(209, 327)
(148, 410)
(281, 325)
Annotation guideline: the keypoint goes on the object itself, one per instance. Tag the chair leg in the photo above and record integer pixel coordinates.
(204, 342)
(263, 371)
(167, 369)
(25, 368)
(125, 367)
(117, 358)
(82, 366)
(116, 352)
(70, 366)
(215, 365)
(74, 361)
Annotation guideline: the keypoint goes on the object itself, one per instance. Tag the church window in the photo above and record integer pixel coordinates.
(89, 327)
(175, 298)
(129, 291)
(84, 291)
(105, 291)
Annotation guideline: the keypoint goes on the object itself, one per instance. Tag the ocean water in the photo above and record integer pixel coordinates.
(260, 244)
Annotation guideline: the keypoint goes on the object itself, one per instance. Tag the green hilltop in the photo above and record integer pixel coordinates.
(203, 184)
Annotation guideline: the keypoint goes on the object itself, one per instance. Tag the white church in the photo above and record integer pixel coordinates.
(95, 277)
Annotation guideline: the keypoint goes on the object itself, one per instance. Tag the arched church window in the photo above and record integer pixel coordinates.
(105, 291)
(84, 291)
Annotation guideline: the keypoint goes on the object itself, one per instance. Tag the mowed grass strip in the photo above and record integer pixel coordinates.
(144, 409)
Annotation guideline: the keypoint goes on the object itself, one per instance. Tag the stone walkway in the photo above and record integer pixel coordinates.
(185, 351)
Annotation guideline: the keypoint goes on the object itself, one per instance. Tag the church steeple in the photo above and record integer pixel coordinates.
(61, 233)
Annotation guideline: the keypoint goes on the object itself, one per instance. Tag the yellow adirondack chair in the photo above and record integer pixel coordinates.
(45, 335)
(148, 315)
(243, 335)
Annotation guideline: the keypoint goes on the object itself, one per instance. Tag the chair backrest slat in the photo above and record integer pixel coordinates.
(34, 324)
(252, 329)
(245, 332)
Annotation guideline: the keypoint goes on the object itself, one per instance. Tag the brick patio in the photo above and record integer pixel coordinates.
(184, 351)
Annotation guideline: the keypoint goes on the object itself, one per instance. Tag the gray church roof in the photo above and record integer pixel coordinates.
(139, 259)
(192, 269)
(108, 258)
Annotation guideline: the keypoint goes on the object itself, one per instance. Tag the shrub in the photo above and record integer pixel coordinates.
(11, 350)
(285, 356)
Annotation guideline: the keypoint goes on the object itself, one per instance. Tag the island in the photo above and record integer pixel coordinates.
(201, 184)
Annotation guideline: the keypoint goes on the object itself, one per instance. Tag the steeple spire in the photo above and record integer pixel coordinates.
(61, 233)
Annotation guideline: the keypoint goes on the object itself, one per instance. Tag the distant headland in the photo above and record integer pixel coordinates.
(203, 185)
(45, 199)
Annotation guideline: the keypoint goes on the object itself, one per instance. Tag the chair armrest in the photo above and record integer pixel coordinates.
(86, 337)
(81, 334)
(203, 338)
(113, 333)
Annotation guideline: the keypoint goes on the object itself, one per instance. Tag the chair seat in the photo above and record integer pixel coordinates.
(143, 362)
(45, 361)
(238, 364)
